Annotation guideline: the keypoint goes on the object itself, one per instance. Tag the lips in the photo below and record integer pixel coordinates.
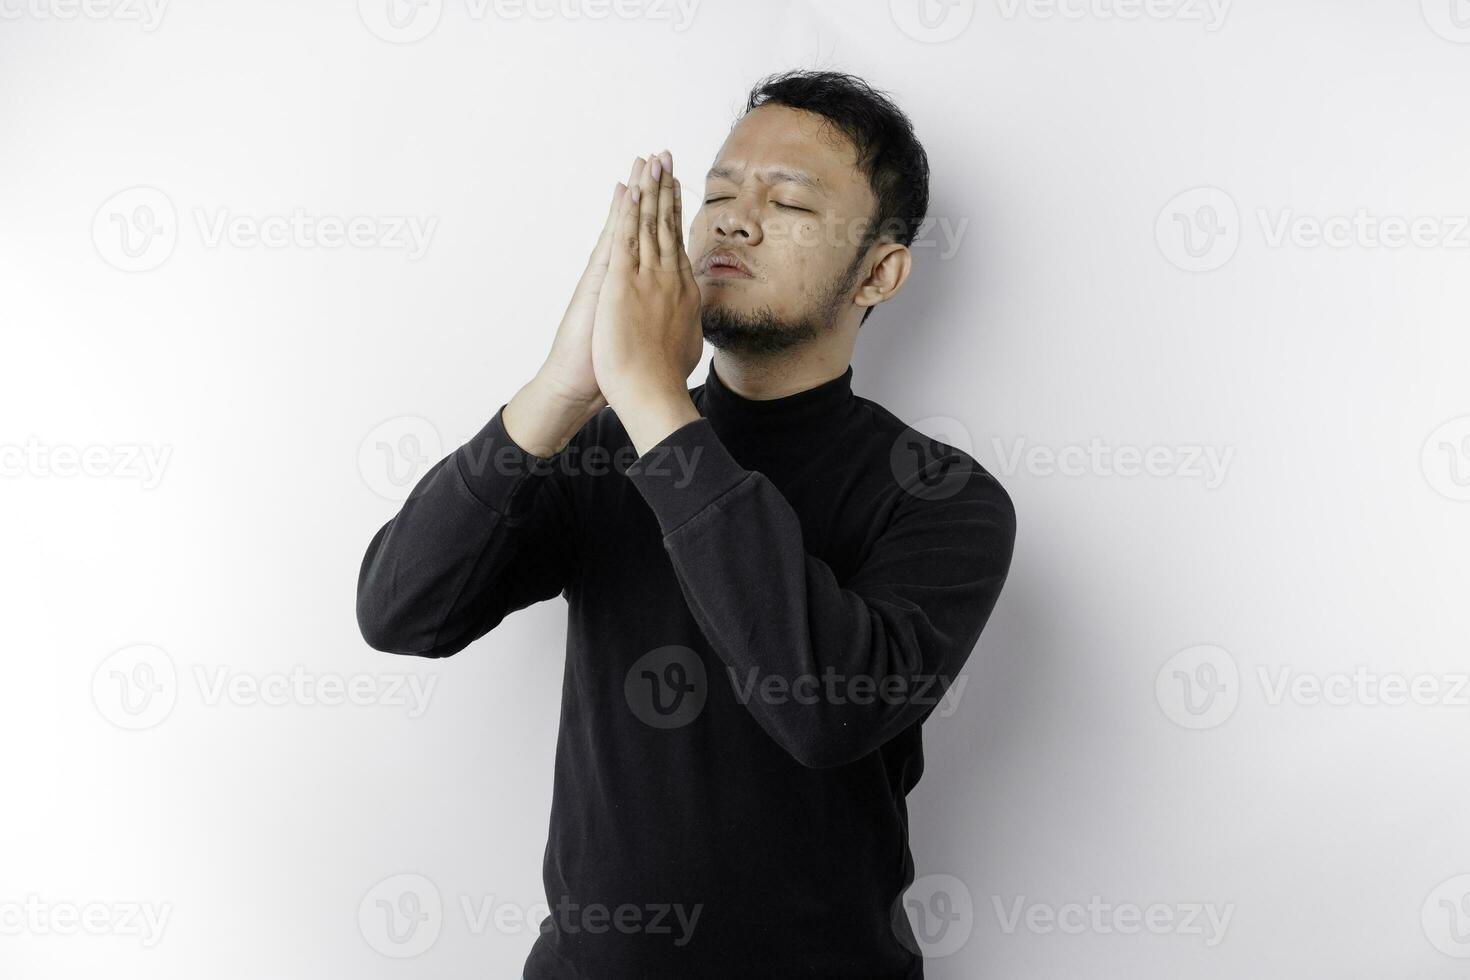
(722, 263)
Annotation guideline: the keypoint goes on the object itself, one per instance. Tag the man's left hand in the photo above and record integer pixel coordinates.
(646, 336)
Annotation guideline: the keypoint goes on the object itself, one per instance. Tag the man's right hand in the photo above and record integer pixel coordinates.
(545, 414)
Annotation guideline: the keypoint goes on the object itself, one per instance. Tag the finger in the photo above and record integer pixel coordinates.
(625, 238)
(603, 249)
(648, 214)
(668, 261)
(683, 253)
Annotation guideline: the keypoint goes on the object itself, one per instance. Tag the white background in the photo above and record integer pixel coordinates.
(1085, 764)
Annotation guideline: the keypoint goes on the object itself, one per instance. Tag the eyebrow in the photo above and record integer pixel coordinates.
(774, 175)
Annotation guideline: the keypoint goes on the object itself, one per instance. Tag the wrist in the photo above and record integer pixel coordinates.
(556, 395)
(651, 412)
(544, 416)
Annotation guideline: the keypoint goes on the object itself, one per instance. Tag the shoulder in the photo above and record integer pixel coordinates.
(932, 475)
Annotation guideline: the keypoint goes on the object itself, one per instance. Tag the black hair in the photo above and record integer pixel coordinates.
(888, 152)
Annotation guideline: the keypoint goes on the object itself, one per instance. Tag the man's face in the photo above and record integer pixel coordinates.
(786, 200)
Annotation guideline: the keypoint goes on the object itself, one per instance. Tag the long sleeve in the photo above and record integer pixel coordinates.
(830, 670)
(488, 530)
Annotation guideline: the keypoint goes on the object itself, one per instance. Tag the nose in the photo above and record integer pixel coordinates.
(733, 219)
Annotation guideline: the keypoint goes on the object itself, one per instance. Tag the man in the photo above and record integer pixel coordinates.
(770, 580)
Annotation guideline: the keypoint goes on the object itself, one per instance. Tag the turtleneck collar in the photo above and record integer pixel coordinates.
(812, 407)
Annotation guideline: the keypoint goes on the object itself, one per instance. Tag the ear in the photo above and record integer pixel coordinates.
(891, 265)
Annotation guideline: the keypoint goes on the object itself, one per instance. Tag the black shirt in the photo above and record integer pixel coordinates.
(761, 611)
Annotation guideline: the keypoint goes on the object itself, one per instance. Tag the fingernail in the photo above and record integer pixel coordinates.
(658, 168)
(634, 192)
(668, 160)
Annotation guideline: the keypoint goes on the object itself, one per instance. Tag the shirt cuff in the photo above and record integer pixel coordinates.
(685, 473)
(498, 472)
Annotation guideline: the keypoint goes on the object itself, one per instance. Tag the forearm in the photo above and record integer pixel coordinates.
(652, 413)
(862, 658)
(543, 417)
(482, 534)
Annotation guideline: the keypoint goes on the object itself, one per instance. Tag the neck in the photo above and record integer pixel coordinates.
(786, 410)
(764, 378)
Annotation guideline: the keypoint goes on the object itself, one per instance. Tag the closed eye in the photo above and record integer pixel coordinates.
(788, 207)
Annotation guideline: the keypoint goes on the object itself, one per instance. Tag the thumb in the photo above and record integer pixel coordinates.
(602, 251)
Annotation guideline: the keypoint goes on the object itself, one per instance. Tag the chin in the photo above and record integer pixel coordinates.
(711, 302)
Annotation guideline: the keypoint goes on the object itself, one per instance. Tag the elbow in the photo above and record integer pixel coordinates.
(821, 759)
(388, 632)
(824, 751)
(378, 630)
(385, 614)
(826, 756)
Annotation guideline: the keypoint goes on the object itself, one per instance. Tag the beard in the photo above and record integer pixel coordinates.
(763, 332)
(757, 333)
